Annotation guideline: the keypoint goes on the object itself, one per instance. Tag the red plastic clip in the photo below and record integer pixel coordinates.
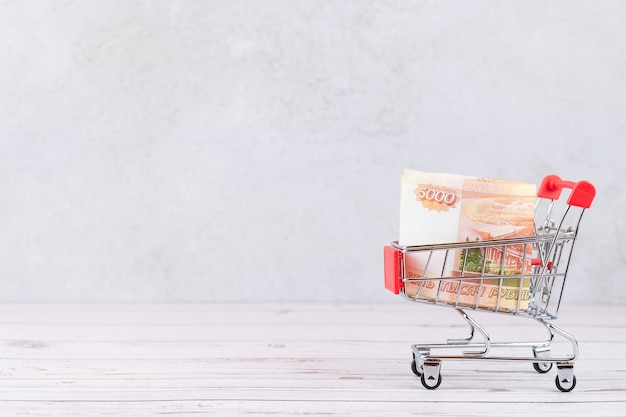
(393, 280)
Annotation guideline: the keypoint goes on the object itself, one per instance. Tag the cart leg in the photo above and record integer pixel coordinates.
(553, 329)
(431, 378)
(565, 379)
(475, 326)
(467, 339)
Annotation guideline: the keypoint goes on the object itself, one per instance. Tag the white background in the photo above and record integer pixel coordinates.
(210, 151)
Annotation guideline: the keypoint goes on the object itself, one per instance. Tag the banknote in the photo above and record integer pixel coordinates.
(443, 208)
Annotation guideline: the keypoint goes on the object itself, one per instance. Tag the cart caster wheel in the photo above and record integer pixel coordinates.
(414, 368)
(417, 369)
(430, 383)
(542, 367)
(565, 385)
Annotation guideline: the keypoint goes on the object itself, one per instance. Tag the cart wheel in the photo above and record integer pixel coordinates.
(566, 385)
(430, 383)
(542, 352)
(542, 367)
(414, 367)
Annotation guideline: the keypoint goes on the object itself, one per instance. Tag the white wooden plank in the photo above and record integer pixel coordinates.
(290, 408)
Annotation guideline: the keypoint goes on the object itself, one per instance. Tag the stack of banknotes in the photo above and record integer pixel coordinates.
(443, 208)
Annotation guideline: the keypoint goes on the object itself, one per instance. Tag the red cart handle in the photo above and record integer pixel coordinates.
(583, 192)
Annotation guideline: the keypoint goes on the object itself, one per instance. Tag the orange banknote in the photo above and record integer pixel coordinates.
(444, 208)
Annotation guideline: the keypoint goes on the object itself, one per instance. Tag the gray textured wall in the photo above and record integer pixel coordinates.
(252, 150)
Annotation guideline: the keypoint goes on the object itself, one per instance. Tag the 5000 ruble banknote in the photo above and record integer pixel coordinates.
(443, 208)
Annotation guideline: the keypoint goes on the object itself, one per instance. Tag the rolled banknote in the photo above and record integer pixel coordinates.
(442, 208)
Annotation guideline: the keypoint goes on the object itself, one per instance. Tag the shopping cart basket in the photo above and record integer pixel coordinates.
(534, 293)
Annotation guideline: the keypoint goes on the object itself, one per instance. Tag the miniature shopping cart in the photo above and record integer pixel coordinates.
(534, 291)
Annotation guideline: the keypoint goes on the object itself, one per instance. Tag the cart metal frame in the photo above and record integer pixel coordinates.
(538, 296)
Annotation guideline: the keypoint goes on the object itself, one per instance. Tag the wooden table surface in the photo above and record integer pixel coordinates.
(290, 359)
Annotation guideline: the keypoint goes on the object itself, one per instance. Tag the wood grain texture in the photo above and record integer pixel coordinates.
(288, 359)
